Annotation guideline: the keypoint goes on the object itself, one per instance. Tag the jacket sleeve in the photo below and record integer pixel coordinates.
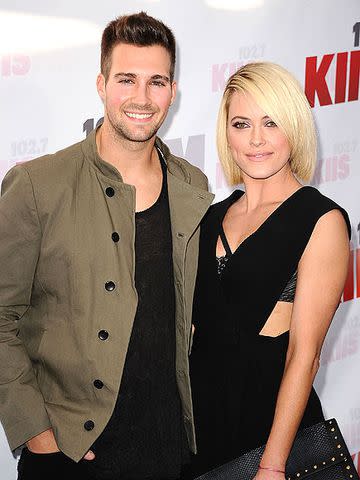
(22, 410)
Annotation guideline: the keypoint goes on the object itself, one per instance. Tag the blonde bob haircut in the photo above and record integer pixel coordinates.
(279, 94)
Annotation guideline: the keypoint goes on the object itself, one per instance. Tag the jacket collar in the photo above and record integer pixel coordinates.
(188, 203)
(89, 149)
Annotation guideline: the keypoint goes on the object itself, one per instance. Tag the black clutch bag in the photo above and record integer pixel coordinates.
(318, 453)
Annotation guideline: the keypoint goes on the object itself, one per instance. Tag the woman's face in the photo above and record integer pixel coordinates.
(258, 146)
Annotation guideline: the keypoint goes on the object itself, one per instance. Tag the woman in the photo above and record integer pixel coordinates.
(272, 267)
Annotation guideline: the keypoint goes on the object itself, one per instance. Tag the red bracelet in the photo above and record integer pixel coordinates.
(271, 469)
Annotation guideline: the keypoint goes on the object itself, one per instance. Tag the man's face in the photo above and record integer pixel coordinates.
(138, 92)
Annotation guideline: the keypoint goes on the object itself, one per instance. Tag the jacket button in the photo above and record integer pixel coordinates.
(103, 335)
(98, 384)
(110, 286)
(110, 192)
(89, 425)
(115, 236)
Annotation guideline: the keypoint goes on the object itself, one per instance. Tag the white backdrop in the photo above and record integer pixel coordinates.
(49, 59)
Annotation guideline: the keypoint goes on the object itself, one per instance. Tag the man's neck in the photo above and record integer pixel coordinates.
(128, 157)
(137, 162)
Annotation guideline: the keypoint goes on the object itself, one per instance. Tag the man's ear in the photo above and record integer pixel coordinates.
(173, 92)
(100, 85)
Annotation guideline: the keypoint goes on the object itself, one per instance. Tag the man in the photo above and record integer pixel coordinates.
(98, 252)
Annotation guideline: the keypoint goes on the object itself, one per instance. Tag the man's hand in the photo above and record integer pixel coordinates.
(89, 455)
(43, 443)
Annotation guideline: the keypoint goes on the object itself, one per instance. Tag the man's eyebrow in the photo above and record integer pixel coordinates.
(125, 74)
(161, 77)
(134, 75)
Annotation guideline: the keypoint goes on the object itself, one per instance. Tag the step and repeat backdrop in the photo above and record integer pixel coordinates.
(49, 59)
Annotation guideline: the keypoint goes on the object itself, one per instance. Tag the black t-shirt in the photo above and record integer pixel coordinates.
(144, 437)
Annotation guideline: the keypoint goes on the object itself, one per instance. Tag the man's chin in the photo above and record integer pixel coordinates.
(137, 137)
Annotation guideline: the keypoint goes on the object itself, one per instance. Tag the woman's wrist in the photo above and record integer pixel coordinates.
(271, 469)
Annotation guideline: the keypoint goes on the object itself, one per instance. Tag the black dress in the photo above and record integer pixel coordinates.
(235, 372)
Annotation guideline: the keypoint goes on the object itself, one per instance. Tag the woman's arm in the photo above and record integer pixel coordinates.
(321, 277)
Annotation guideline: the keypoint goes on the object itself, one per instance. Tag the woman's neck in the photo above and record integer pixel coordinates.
(276, 189)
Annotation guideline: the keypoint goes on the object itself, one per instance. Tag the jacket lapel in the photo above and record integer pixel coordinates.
(188, 205)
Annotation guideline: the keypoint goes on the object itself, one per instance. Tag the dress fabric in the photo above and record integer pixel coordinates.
(235, 372)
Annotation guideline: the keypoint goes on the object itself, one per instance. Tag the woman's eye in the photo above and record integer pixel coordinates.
(270, 123)
(240, 125)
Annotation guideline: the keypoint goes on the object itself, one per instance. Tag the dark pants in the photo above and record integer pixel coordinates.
(50, 466)
(41, 466)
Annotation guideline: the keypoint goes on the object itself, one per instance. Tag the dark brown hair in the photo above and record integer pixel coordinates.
(137, 29)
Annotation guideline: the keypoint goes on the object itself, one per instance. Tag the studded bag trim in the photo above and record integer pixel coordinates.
(318, 453)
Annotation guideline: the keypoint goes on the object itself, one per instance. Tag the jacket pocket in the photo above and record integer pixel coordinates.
(64, 372)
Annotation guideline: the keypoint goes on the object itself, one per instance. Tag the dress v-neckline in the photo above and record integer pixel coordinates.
(233, 198)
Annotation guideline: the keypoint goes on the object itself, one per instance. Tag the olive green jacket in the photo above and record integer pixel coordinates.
(60, 328)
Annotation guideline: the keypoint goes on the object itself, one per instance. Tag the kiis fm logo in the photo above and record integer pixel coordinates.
(222, 71)
(337, 165)
(341, 342)
(14, 65)
(331, 169)
(194, 151)
(352, 285)
(356, 460)
(347, 75)
(26, 149)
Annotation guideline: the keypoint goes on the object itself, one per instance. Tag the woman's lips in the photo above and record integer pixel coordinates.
(259, 156)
